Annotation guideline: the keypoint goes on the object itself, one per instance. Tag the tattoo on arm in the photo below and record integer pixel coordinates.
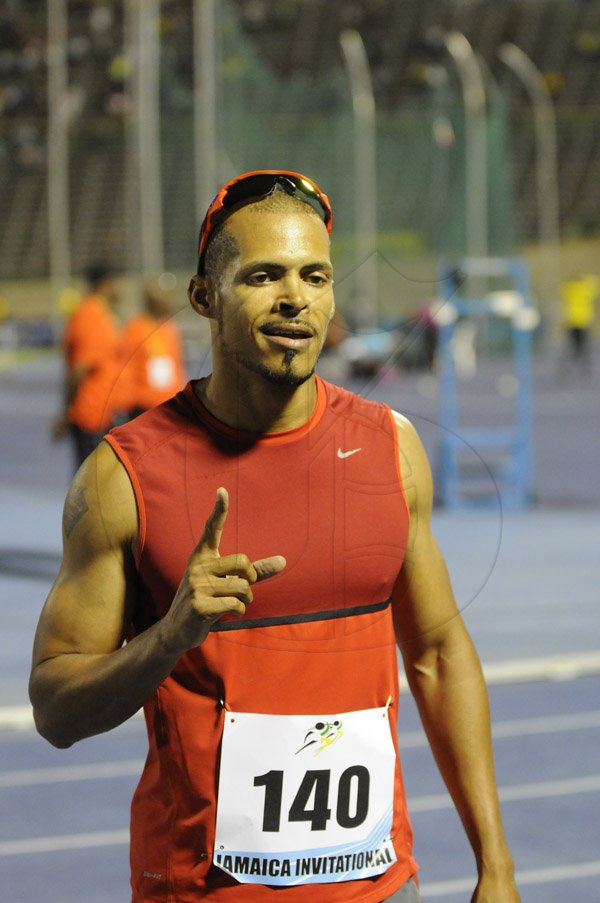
(75, 509)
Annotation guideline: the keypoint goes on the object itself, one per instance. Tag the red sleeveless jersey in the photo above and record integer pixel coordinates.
(318, 637)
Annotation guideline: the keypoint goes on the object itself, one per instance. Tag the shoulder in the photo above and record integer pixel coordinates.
(158, 424)
(405, 431)
(137, 328)
(90, 308)
(101, 501)
(89, 314)
(346, 403)
(157, 442)
(78, 316)
(414, 465)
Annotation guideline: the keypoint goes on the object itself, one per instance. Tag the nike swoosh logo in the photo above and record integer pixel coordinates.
(343, 454)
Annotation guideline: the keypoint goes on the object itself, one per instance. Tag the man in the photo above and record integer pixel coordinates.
(153, 368)
(93, 359)
(265, 651)
(579, 296)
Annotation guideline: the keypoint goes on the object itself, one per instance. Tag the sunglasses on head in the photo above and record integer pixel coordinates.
(252, 186)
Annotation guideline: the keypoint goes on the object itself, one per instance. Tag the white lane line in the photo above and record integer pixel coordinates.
(527, 876)
(16, 718)
(20, 717)
(64, 773)
(427, 803)
(519, 727)
(552, 667)
(410, 740)
(435, 801)
(555, 667)
(546, 724)
(64, 842)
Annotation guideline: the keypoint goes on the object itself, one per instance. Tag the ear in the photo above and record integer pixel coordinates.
(201, 296)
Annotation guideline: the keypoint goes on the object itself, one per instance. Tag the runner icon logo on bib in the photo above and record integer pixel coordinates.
(305, 799)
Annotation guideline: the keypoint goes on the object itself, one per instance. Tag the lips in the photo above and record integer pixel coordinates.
(288, 330)
(295, 336)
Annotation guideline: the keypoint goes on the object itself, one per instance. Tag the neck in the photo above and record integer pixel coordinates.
(253, 404)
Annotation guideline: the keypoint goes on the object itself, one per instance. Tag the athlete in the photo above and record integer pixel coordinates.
(262, 645)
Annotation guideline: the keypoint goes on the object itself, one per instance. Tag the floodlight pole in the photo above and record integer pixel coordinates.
(144, 17)
(205, 106)
(365, 177)
(547, 165)
(474, 98)
(58, 149)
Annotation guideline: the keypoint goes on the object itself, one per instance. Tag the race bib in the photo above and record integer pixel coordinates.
(305, 799)
(160, 371)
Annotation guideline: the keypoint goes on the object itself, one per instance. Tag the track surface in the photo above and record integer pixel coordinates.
(528, 584)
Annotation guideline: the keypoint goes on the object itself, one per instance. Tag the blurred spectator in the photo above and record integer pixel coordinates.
(579, 295)
(418, 341)
(29, 150)
(118, 73)
(92, 352)
(153, 354)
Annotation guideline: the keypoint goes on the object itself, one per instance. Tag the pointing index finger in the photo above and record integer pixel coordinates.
(213, 529)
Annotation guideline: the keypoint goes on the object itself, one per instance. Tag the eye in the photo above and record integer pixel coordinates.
(317, 278)
(259, 278)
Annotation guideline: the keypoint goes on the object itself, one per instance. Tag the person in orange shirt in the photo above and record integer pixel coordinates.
(91, 345)
(153, 353)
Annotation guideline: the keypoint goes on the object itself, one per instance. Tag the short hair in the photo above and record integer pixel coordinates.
(221, 249)
(222, 246)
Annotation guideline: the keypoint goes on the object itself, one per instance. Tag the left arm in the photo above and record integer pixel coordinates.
(445, 677)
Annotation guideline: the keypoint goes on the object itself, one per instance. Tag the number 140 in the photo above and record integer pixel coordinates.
(316, 783)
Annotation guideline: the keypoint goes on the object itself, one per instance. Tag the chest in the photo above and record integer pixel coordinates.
(332, 504)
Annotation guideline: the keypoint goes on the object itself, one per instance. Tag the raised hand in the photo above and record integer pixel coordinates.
(213, 585)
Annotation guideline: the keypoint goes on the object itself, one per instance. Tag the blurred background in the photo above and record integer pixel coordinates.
(459, 143)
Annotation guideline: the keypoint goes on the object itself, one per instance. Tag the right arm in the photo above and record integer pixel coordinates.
(84, 680)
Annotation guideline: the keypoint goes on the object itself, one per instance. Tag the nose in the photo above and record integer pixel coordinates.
(292, 297)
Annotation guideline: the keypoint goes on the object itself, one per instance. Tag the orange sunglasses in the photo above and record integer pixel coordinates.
(255, 185)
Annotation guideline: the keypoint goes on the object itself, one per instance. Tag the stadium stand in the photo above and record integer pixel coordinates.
(293, 41)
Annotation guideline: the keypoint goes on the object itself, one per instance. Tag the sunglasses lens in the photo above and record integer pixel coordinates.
(253, 187)
(262, 184)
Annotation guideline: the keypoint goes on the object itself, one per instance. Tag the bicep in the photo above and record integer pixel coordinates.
(90, 606)
(425, 610)
(88, 610)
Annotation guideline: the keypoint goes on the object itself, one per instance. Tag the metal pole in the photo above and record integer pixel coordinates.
(147, 115)
(473, 89)
(448, 474)
(58, 150)
(443, 139)
(132, 190)
(205, 105)
(365, 177)
(546, 169)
